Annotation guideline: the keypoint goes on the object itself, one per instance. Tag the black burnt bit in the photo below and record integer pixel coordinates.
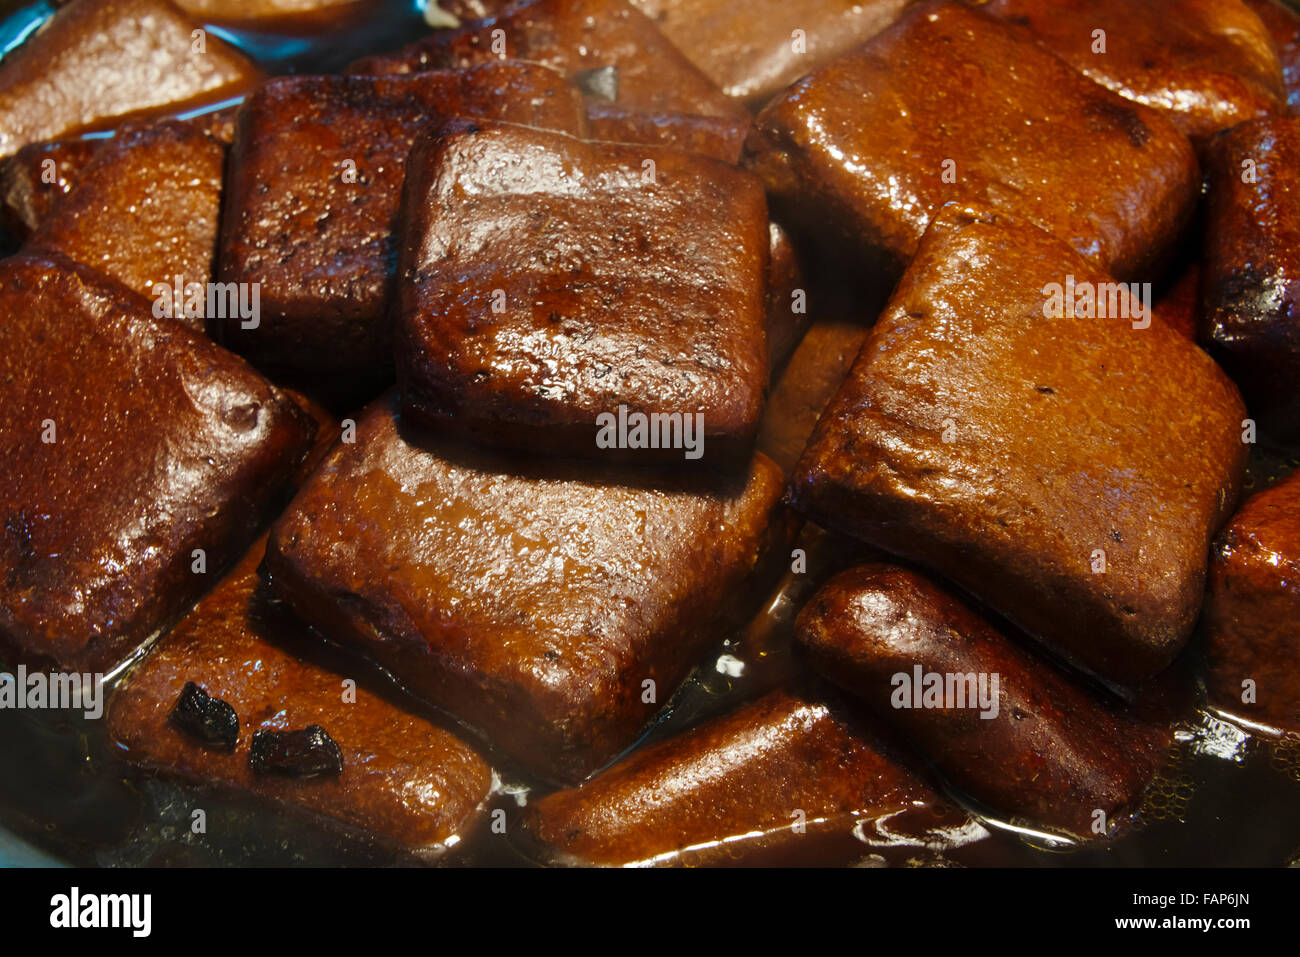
(308, 753)
(205, 718)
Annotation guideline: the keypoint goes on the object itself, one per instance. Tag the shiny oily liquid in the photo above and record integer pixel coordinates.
(1224, 797)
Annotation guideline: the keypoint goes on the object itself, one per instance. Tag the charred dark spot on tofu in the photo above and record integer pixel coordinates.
(1106, 114)
(308, 753)
(204, 718)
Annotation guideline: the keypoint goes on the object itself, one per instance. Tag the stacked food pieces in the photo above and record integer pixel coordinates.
(417, 434)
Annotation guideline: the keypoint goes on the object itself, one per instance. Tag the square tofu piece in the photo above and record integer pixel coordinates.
(313, 200)
(1068, 470)
(583, 39)
(1205, 64)
(547, 283)
(951, 105)
(131, 444)
(145, 211)
(98, 60)
(1250, 283)
(554, 609)
(1252, 611)
(409, 782)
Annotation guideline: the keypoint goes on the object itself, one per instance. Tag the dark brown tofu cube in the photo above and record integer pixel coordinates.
(593, 283)
(99, 60)
(755, 49)
(576, 37)
(1043, 455)
(948, 105)
(404, 781)
(785, 779)
(145, 212)
(552, 608)
(1206, 64)
(1252, 640)
(1006, 727)
(132, 444)
(1250, 284)
(313, 201)
(37, 178)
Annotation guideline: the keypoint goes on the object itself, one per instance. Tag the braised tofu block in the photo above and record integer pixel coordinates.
(145, 212)
(1283, 24)
(1045, 449)
(594, 283)
(136, 451)
(37, 178)
(1252, 639)
(948, 105)
(99, 60)
(612, 50)
(1250, 284)
(721, 137)
(314, 196)
(754, 49)
(1007, 728)
(403, 780)
(777, 781)
(787, 296)
(1206, 64)
(552, 608)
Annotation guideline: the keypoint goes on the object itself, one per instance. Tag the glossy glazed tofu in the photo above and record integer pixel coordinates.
(1250, 284)
(578, 38)
(721, 137)
(1206, 64)
(313, 201)
(1042, 456)
(100, 60)
(1252, 640)
(554, 609)
(113, 489)
(1283, 24)
(593, 280)
(948, 105)
(145, 211)
(785, 779)
(752, 50)
(405, 781)
(1006, 727)
(36, 178)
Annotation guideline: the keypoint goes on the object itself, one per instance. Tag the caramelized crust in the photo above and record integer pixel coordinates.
(1206, 64)
(404, 780)
(862, 147)
(1252, 609)
(1041, 463)
(1250, 286)
(99, 60)
(574, 37)
(579, 284)
(314, 197)
(162, 443)
(733, 790)
(1047, 751)
(145, 210)
(532, 603)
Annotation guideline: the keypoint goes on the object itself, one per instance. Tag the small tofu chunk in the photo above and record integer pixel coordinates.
(948, 105)
(405, 781)
(99, 60)
(583, 39)
(140, 459)
(313, 201)
(1004, 726)
(554, 609)
(1044, 455)
(550, 287)
(145, 212)
(1206, 64)
(1250, 285)
(1252, 642)
(785, 779)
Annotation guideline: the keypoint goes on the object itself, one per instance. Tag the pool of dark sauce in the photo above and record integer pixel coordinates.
(1225, 797)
